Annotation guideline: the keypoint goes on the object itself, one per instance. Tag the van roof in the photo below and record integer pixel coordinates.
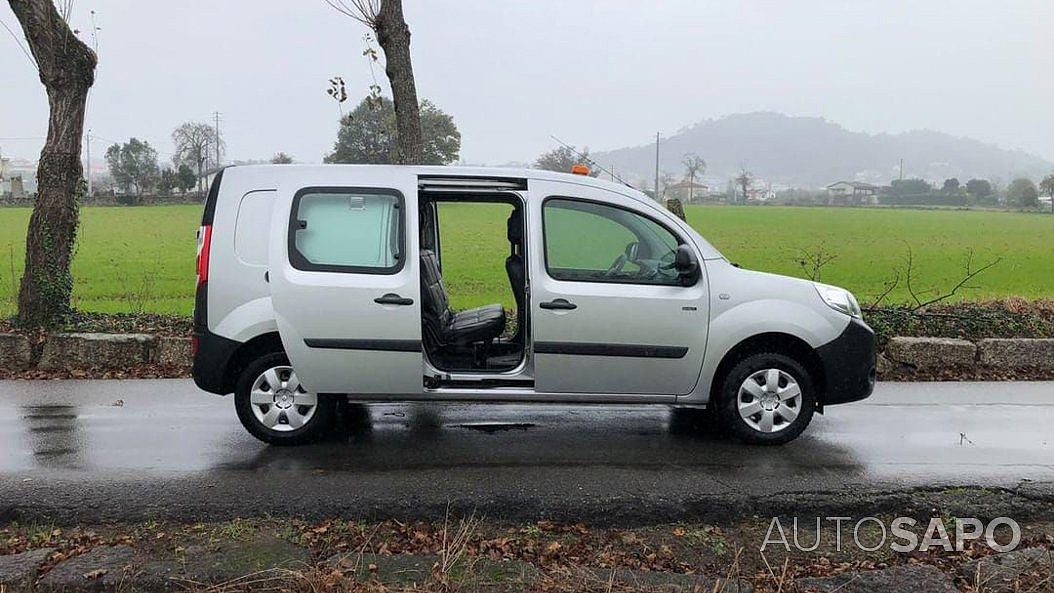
(267, 171)
(272, 174)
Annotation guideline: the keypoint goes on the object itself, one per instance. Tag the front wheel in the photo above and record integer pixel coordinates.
(275, 408)
(767, 399)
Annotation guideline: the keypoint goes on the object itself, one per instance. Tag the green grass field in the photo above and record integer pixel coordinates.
(142, 258)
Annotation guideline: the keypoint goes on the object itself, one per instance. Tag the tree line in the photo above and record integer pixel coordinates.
(1021, 192)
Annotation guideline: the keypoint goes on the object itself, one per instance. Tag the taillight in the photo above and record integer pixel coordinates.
(204, 239)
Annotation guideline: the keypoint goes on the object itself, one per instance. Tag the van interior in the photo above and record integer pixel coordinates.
(479, 340)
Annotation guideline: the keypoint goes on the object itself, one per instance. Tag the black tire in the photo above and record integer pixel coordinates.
(728, 404)
(317, 426)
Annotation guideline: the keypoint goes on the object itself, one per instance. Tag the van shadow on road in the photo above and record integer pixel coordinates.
(427, 437)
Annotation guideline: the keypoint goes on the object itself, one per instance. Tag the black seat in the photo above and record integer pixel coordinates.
(515, 267)
(443, 325)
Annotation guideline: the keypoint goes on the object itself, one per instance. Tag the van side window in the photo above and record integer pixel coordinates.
(592, 242)
(347, 230)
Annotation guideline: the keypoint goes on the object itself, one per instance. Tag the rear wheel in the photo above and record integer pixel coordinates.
(767, 399)
(275, 408)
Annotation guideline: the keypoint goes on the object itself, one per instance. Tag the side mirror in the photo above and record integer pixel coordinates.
(686, 264)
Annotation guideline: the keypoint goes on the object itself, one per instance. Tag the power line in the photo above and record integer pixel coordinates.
(217, 114)
(586, 158)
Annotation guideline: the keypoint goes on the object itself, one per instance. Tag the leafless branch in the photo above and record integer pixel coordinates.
(65, 8)
(890, 285)
(364, 11)
(21, 46)
(969, 274)
(909, 275)
(812, 261)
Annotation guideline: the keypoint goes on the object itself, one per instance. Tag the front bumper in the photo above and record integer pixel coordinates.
(849, 364)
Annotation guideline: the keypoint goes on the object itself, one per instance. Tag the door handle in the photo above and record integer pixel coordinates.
(558, 304)
(393, 299)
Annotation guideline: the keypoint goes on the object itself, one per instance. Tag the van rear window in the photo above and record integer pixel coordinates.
(347, 230)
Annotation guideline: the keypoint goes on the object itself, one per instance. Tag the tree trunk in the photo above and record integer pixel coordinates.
(67, 69)
(394, 37)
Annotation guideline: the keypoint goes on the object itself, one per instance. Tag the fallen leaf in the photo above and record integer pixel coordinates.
(98, 572)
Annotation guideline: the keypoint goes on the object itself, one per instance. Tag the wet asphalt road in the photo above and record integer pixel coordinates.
(69, 454)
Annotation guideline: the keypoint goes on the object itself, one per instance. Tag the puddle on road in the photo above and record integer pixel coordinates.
(492, 427)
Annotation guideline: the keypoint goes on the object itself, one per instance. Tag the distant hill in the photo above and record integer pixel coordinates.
(811, 152)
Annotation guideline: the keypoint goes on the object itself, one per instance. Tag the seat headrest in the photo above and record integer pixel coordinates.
(430, 267)
(514, 227)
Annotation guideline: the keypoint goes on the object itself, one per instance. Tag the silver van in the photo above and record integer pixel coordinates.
(319, 285)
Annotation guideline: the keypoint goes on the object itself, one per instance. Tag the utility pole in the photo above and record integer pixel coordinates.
(657, 197)
(87, 149)
(216, 114)
(902, 169)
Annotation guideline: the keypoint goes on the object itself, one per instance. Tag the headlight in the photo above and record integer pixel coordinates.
(839, 299)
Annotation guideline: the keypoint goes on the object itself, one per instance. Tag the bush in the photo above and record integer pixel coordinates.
(1008, 318)
(929, 199)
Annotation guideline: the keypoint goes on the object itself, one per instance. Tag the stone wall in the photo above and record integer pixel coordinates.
(84, 351)
(937, 353)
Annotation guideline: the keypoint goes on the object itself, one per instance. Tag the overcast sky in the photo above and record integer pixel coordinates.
(602, 73)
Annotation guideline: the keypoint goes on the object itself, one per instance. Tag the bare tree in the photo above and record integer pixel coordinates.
(66, 67)
(1047, 186)
(196, 147)
(745, 180)
(385, 18)
(693, 165)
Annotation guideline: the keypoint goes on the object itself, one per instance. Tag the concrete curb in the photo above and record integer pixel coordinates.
(117, 352)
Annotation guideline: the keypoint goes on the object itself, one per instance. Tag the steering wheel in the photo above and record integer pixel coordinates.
(668, 261)
(617, 265)
(629, 255)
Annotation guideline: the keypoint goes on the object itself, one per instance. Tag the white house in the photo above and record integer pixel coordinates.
(856, 192)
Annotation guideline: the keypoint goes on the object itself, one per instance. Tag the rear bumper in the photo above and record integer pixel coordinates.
(211, 361)
(212, 353)
(849, 364)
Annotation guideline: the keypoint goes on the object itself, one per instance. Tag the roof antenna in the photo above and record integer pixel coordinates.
(586, 158)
